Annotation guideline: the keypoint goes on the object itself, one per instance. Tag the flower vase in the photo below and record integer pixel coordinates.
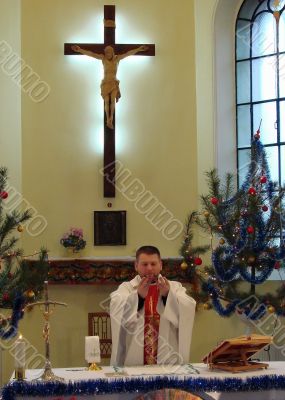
(72, 251)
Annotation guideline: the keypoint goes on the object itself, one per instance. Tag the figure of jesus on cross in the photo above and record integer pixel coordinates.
(110, 90)
(110, 53)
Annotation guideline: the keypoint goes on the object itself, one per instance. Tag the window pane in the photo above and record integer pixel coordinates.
(243, 125)
(282, 32)
(267, 113)
(243, 164)
(272, 159)
(248, 8)
(264, 35)
(282, 75)
(243, 82)
(282, 121)
(282, 155)
(243, 39)
(264, 80)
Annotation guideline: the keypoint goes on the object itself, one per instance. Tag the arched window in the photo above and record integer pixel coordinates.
(260, 82)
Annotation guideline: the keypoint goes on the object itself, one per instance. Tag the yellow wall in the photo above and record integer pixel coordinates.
(10, 94)
(156, 118)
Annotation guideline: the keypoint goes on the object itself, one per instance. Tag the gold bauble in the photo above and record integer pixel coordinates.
(251, 259)
(206, 306)
(271, 309)
(184, 265)
(206, 214)
(222, 241)
(30, 294)
(20, 228)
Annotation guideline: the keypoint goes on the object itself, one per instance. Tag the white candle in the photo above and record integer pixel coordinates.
(20, 352)
(92, 349)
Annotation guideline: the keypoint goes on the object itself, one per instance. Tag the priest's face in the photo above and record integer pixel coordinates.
(148, 265)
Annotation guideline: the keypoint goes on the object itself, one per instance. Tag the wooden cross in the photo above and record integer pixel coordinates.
(109, 133)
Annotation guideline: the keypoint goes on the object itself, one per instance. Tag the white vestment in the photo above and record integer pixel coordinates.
(175, 328)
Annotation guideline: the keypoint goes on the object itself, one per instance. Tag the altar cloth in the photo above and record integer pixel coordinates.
(130, 382)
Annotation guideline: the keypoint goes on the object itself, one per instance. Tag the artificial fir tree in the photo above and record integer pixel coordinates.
(21, 282)
(249, 226)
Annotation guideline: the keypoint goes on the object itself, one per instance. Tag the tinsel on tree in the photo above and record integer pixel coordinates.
(248, 224)
(21, 281)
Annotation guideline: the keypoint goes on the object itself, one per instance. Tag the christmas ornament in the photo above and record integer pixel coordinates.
(184, 265)
(3, 195)
(206, 306)
(277, 265)
(264, 208)
(222, 241)
(20, 228)
(263, 179)
(214, 201)
(198, 261)
(257, 135)
(271, 309)
(206, 214)
(252, 191)
(250, 229)
(6, 297)
(251, 259)
(30, 294)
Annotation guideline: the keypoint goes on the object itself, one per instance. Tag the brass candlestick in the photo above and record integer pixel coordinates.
(47, 375)
(20, 374)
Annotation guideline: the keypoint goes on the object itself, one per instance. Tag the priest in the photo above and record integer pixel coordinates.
(151, 317)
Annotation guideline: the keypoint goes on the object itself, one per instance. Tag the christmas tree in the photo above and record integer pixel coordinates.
(192, 260)
(21, 282)
(249, 226)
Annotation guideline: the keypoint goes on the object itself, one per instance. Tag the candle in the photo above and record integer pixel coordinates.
(20, 352)
(92, 349)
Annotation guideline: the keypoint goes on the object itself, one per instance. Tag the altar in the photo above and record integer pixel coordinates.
(133, 383)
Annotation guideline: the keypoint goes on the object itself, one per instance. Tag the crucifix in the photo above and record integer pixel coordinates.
(110, 53)
(47, 375)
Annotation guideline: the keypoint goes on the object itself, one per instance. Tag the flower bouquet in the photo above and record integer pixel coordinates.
(73, 239)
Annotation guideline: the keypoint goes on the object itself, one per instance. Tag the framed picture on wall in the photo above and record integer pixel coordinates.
(110, 228)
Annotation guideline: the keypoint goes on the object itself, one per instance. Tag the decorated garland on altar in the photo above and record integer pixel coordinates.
(100, 386)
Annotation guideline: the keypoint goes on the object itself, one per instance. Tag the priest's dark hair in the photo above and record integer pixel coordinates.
(147, 250)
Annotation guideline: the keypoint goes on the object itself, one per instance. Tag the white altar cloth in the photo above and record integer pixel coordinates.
(148, 372)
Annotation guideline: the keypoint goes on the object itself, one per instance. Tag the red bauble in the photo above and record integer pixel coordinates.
(257, 135)
(250, 229)
(3, 195)
(214, 200)
(264, 208)
(263, 179)
(5, 297)
(252, 191)
(277, 265)
(198, 261)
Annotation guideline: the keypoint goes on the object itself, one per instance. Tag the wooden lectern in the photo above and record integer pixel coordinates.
(233, 354)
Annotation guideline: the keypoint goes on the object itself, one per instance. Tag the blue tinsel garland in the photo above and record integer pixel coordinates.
(12, 329)
(100, 386)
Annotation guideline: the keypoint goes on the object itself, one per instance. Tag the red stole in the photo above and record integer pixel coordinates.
(151, 326)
